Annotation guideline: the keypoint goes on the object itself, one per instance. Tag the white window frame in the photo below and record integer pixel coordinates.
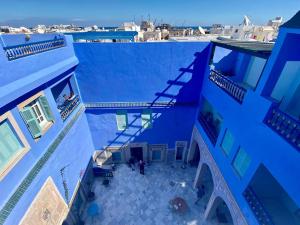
(29, 101)
(39, 113)
(18, 156)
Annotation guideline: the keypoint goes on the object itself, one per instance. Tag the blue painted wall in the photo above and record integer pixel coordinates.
(20, 79)
(136, 72)
(245, 122)
(74, 153)
(128, 72)
(169, 125)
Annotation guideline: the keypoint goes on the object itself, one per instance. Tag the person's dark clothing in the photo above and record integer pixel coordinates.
(142, 168)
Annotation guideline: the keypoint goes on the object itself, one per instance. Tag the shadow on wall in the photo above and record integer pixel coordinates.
(171, 121)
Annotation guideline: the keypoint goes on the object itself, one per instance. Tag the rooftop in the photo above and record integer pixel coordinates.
(262, 49)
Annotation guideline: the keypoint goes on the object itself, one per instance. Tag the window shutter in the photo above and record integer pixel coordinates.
(147, 119)
(122, 120)
(46, 108)
(32, 124)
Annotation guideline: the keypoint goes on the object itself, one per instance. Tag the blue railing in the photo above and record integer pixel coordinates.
(232, 88)
(19, 51)
(257, 207)
(284, 125)
(66, 111)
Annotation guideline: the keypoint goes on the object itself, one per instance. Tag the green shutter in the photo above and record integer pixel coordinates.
(31, 121)
(147, 119)
(122, 119)
(46, 108)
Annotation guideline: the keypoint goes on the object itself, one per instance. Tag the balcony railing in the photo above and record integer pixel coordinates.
(19, 51)
(257, 207)
(285, 125)
(209, 127)
(66, 111)
(232, 88)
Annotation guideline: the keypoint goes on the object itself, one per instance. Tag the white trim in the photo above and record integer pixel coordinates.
(19, 155)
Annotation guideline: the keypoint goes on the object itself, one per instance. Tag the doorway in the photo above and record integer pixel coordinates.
(136, 153)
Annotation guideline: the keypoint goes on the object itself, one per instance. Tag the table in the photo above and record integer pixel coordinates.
(178, 205)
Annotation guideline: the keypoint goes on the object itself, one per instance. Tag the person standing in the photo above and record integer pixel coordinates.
(142, 167)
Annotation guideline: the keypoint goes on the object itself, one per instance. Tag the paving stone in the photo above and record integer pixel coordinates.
(134, 199)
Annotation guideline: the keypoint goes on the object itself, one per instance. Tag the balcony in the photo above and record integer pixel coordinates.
(256, 206)
(269, 201)
(235, 90)
(284, 125)
(69, 107)
(23, 50)
(66, 96)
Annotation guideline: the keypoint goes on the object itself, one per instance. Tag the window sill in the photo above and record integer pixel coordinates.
(44, 130)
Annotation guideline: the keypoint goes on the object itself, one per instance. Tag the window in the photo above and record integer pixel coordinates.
(37, 114)
(13, 144)
(227, 142)
(66, 96)
(241, 162)
(122, 120)
(147, 119)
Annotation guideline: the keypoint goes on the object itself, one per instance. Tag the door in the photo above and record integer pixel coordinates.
(137, 153)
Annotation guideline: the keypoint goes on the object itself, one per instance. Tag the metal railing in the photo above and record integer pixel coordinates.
(232, 88)
(65, 112)
(257, 207)
(19, 51)
(284, 125)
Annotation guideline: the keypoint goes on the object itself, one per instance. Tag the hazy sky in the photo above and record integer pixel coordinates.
(114, 12)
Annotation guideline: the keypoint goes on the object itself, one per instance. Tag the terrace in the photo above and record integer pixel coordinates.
(38, 44)
(283, 91)
(237, 66)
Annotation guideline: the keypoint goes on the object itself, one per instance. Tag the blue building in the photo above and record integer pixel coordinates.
(228, 108)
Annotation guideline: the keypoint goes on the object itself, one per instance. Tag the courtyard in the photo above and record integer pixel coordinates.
(134, 199)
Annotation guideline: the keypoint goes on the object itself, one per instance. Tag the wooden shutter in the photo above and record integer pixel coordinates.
(46, 108)
(31, 122)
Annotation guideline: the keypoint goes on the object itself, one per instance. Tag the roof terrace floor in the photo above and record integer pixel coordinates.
(134, 199)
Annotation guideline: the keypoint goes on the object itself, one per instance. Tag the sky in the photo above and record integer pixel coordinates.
(114, 12)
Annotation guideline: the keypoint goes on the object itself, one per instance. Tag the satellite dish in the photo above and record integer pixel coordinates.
(202, 31)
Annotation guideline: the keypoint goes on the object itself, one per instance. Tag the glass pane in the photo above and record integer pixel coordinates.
(227, 142)
(241, 162)
(9, 143)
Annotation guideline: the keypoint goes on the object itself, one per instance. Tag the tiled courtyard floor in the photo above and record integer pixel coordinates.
(134, 199)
